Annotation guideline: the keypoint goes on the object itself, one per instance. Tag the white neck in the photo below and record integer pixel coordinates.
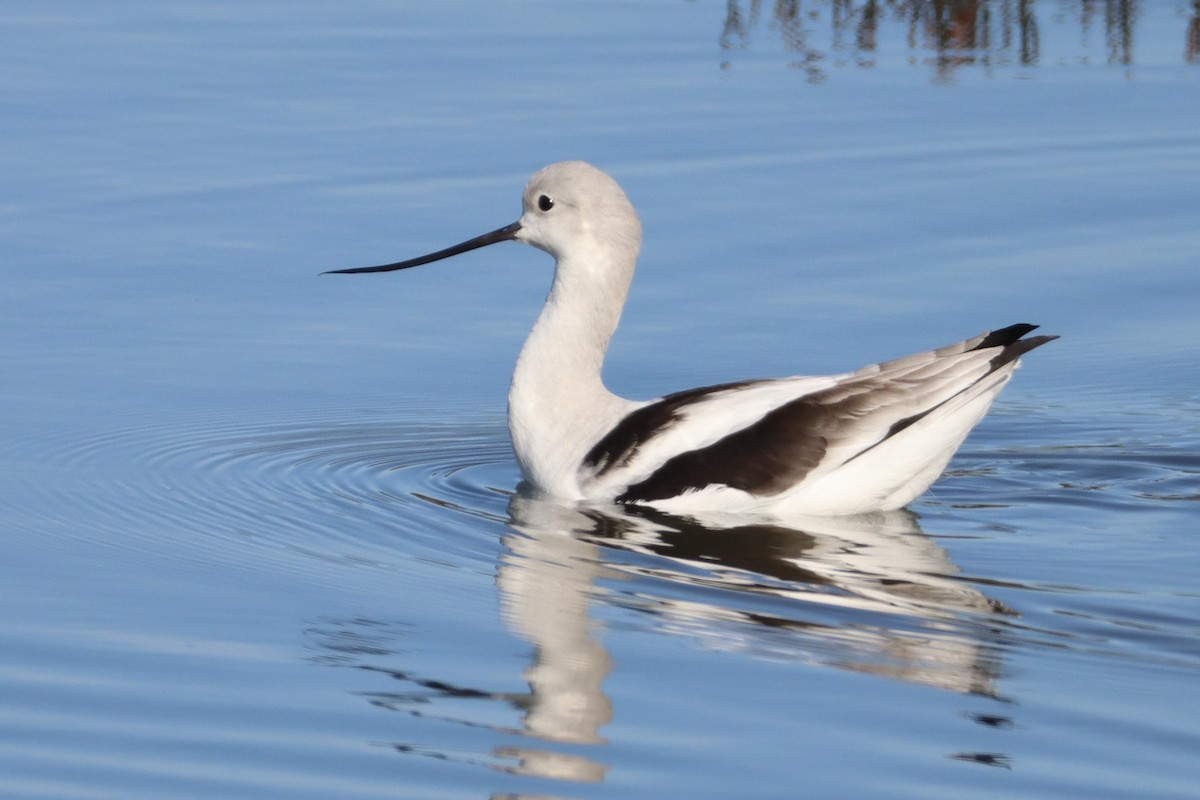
(558, 406)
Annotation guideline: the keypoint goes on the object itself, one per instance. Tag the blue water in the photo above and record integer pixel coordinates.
(258, 536)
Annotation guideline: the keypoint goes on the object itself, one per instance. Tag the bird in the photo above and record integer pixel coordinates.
(869, 440)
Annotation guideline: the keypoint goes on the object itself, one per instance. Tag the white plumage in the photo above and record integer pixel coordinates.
(862, 441)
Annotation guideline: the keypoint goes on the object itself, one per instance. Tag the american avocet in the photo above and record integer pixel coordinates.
(868, 440)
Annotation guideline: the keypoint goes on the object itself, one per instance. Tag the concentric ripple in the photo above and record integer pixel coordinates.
(307, 491)
(304, 488)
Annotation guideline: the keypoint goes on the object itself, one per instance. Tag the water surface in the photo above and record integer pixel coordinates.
(262, 533)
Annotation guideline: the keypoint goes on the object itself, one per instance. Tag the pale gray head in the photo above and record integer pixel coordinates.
(570, 208)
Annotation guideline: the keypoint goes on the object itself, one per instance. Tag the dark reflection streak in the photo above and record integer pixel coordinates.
(1191, 48)
(866, 35)
(762, 549)
(441, 687)
(1120, 20)
(987, 759)
(787, 13)
(997, 721)
(1008, 18)
(1030, 38)
(736, 33)
(985, 34)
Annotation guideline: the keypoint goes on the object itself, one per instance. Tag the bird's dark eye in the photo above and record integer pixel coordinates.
(545, 203)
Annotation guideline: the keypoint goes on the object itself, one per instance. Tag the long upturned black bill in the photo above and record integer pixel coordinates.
(505, 234)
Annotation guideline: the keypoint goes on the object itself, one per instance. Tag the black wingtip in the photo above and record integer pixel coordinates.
(1003, 337)
(1011, 345)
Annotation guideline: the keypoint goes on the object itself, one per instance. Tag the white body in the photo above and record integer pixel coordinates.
(559, 408)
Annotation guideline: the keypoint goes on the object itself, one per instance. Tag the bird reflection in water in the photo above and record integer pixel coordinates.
(869, 594)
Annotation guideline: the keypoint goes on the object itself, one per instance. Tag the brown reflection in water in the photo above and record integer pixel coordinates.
(946, 34)
(1191, 49)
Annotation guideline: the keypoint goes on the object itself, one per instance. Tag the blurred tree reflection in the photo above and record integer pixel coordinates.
(945, 34)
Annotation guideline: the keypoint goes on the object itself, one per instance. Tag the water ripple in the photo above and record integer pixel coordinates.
(369, 487)
(308, 492)
(1137, 460)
